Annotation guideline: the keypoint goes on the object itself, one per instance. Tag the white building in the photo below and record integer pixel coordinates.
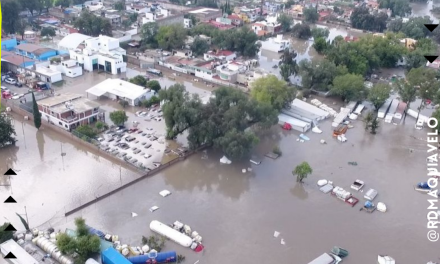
(137, 8)
(50, 75)
(157, 14)
(117, 89)
(69, 68)
(277, 44)
(22, 257)
(93, 5)
(91, 53)
(187, 23)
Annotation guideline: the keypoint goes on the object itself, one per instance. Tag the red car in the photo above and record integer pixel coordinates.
(131, 130)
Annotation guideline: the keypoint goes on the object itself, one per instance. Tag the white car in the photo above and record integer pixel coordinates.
(101, 139)
(10, 81)
(18, 96)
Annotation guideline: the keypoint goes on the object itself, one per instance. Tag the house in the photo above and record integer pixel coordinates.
(117, 89)
(93, 53)
(155, 15)
(236, 20)
(187, 23)
(205, 14)
(35, 52)
(9, 43)
(114, 19)
(49, 75)
(323, 15)
(219, 26)
(296, 11)
(29, 34)
(136, 8)
(276, 44)
(182, 53)
(224, 20)
(223, 55)
(163, 17)
(17, 60)
(229, 72)
(68, 111)
(69, 68)
(93, 5)
(65, 30)
(257, 27)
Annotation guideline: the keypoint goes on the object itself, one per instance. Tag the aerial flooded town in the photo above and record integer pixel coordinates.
(219, 131)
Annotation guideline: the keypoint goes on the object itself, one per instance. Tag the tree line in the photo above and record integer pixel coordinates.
(241, 40)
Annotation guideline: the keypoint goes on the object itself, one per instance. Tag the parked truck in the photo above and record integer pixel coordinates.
(326, 258)
(384, 109)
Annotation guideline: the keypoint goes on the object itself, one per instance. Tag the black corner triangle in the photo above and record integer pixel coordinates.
(10, 256)
(10, 172)
(431, 27)
(431, 58)
(10, 200)
(10, 228)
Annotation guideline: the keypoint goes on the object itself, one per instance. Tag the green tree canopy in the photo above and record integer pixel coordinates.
(270, 90)
(362, 19)
(5, 235)
(7, 131)
(311, 14)
(118, 117)
(398, 7)
(139, 80)
(171, 37)
(349, 86)
(48, 32)
(301, 31)
(10, 10)
(92, 25)
(320, 45)
(199, 46)
(320, 32)
(285, 21)
(288, 66)
(378, 94)
(120, 5)
(154, 85)
(86, 130)
(319, 75)
(148, 35)
(302, 171)
(62, 3)
(414, 28)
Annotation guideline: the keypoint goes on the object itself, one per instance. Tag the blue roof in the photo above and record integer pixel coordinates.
(112, 256)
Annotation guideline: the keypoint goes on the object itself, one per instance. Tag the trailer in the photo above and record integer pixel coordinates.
(393, 107)
(298, 115)
(399, 113)
(294, 123)
(112, 256)
(341, 117)
(166, 231)
(309, 108)
(384, 109)
(416, 115)
(352, 106)
(326, 258)
(359, 109)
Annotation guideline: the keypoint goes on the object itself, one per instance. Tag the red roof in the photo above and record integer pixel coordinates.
(220, 25)
(234, 17)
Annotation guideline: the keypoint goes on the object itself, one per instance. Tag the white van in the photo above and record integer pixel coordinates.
(420, 124)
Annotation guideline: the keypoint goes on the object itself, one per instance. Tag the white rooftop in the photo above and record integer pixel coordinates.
(22, 257)
(47, 71)
(118, 87)
(72, 41)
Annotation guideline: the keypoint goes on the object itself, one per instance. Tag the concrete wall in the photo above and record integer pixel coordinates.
(174, 19)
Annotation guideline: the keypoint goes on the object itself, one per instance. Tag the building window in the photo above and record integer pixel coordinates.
(60, 123)
(66, 126)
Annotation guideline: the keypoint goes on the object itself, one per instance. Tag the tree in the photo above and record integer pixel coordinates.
(349, 86)
(319, 75)
(100, 125)
(407, 93)
(31, 5)
(320, 33)
(82, 246)
(5, 235)
(374, 125)
(7, 131)
(44, 4)
(154, 85)
(36, 112)
(398, 7)
(285, 21)
(92, 25)
(362, 19)
(302, 171)
(148, 34)
(133, 17)
(413, 28)
(199, 46)
(126, 24)
(118, 117)
(62, 3)
(270, 90)
(416, 58)
(242, 40)
(139, 80)
(21, 27)
(48, 32)
(378, 94)
(368, 118)
(301, 31)
(236, 144)
(288, 66)
(120, 6)
(311, 14)
(86, 130)
(123, 103)
(10, 10)
(171, 37)
(320, 45)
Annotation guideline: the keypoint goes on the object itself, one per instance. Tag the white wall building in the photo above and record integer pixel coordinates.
(187, 23)
(117, 89)
(101, 53)
(137, 8)
(277, 44)
(153, 16)
(50, 75)
(69, 68)
(225, 55)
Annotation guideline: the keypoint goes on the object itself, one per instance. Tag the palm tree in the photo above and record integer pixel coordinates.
(302, 171)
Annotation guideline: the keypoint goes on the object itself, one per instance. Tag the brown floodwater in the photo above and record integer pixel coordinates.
(237, 213)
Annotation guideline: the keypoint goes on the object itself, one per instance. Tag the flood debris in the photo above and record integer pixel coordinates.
(283, 242)
(165, 193)
(154, 208)
(134, 214)
(276, 234)
(353, 163)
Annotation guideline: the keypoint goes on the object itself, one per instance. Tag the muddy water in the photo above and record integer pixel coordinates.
(424, 9)
(237, 213)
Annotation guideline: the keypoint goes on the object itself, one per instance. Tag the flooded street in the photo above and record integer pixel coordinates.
(424, 9)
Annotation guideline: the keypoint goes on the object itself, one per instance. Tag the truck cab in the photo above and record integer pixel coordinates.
(326, 258)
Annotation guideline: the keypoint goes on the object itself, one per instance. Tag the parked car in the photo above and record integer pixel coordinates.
(111, 139)
(100, 139)
(133, 161)
(10, 80)
(137, 151)
(147, 146)
(18, 84)
(147, 156)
